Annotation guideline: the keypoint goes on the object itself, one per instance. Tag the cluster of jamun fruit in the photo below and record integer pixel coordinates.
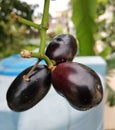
(76, 82)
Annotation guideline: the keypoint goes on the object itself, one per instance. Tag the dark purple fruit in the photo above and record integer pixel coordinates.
(62, 48)
(79, 84)
(23, 95)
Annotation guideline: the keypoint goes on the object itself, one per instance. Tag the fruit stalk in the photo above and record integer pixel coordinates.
(29, 54)
(25, 21)
(44, 26)
(43, 56)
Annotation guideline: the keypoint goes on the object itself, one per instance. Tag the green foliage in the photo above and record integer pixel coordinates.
(109, 29)
(111, 97)
(84, 12)
(12, 33)
(102, 1)
(10, 38)
(111, 62)
(21, 8)
(106, 51)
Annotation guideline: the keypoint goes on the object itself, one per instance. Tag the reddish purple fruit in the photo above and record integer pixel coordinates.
(79, 84)
(23, 95)
(62, 48)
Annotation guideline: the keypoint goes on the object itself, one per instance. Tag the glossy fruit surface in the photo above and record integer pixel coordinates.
(23, 95)
(79, 84)
(62, 47)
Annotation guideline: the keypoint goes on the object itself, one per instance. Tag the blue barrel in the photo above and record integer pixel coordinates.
(10, 67)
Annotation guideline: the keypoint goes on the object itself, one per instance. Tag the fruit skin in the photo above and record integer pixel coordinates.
(23, 95)
(79, 84)
(62, 47)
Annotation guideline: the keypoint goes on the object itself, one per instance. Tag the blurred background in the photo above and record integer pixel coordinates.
(92, 22)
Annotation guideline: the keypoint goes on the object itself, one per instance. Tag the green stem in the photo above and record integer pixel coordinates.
(42, 56)
(30, 23)
(44, 25)
(25, 21)
(42, 28)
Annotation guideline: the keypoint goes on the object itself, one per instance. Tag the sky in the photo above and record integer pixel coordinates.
(55, 5)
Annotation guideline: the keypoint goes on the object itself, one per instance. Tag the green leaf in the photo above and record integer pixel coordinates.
(84, 12)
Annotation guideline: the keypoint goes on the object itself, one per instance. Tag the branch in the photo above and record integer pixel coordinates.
(24, 21)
